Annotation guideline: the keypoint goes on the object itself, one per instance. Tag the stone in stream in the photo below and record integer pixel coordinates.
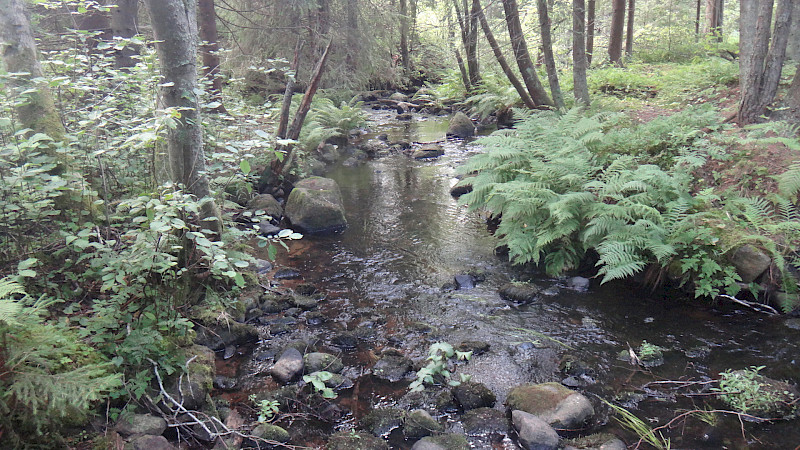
(315, 206)
(442, 442)
(557, 405)
(289, 366)
(399, 97)
(471, 395)
(476, 347)
(404, 116)
(224, 383)
(218, 336)
(534, 433)
(269, 432)
(317, 361)
(428, 151)
(139, 424)
(304, 303)
(268, 204)
(392, 367)
(419, 424)
(750, 262)
(381, 421)
(287, 273)
(761, 396)
(461, 126)
(266, 229)
(316, 318)
(580, 284)
(150, 442)
(345, 341)
(597, 441)
(355, 440)
(464, 281)
(484, 421)
(522, 293)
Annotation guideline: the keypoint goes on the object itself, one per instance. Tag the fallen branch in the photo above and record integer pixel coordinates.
(755, 306)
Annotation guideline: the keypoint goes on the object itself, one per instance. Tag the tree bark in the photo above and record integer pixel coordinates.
(124, 23)
(793, 47)
(617, 28)
(590, 31)
(174, 25)
(793, 95)
(629, 31)
(352, 59)
(19, 55)
(713, 25)
(549, 58)
(404, 55)
(498, 54)
(520, 48)
(460, 61)
(209, 48)
(579, 63)
(762, 59)
(472, 44)
(697, 20)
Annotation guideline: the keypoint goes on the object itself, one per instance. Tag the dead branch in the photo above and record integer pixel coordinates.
(755, 306)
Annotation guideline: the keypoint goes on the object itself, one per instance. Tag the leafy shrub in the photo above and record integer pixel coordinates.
(436, 370)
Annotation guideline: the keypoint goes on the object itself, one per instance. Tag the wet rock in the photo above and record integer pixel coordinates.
(192, 390)
(287, 273)
(428, 151)
(484, 421)
(209, 430)
(461, 126)
(464, 281)
(381, 421)
(520, 292)
(262, 266)
(462, 187)
(345, 341)
(598, 441)
(404, 116)
(421, 327)
(265, 355)
(578, 283)
(289, 366)
(750, 262)
(224, 383)
(399, 97)
(253, 314)
(269, 432)
(277, 329)
(268, 204)
(149, 442)
(442, 442)
(355, 440)
(315, 206)
(265, 228)
(286, 396)
(534, 433)
(419, 424)
(139, 424)
(275, 305)
(316, 318)
(304, 303)
(317, 361)
(793, 323)
(293, 312)
(223, 334)
(446, 402)
(306, 289)
(571, 365)
(471, 395)
(762, 396)
(383, 137)
(476, 347)
(557, 405)
(392, 367)
(401, 144)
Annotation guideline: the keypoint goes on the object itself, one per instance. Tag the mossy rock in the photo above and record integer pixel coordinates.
(419, 424)
(317, 361)
(443, 442)
(355, 440)
(381, 421)
(315, 206)
(554, 403)
(471, 395)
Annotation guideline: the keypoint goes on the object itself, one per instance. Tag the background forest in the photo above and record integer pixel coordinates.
(650, 137)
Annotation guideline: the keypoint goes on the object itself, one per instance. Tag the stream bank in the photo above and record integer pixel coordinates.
(387, 292)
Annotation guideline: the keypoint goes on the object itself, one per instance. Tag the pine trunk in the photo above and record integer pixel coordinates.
(174, 25)
(590, 31)
(472, 44)
(549, 58)
(209, 49)
(520, 48)
(629, 31)
(404, 55)
(580, 86)
(617, 29)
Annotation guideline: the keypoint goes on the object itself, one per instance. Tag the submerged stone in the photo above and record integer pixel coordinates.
(381, 421)
(355, 440)
(419, 424)
(520, 292)
(484, 421)
(392, 367)
(557, 405)
(442, 442)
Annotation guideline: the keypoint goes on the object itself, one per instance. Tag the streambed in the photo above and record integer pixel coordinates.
(388, 281)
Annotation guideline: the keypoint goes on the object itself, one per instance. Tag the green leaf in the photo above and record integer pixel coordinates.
(245, 167)
(272, 252)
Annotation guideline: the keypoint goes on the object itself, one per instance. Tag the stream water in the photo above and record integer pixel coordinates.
(407, 237)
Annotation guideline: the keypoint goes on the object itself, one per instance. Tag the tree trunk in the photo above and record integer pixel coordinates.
(629, 31)
(793, 95)
(124, 23)
(174, 25)
(520, 48)
(617, 28)
(404, 55)
(209, 49)
(763, 57)
(793, 47)
(590, 32)
(547, 49)
(19, 55)
(697, 21)
(714, 10)
(412, 28)
(353, 37)
(498, 53)
(580, 86)
(472, 44)
(459, 60)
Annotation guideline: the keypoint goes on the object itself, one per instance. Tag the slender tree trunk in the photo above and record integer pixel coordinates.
(498, 53)
(283, 122)
(412, 29)
(793, 95)
(617, 28)
(462, 26)
(459, 60)
(520, 47)
(629, 31)
(793, 47)
(697, 21)
(549, 58)
(353, 35)
(174, 25)
(404, 55)
(580, 85)
(590, 31)
(36, 109)
(714, 10)
(763, 57)
(124, 23)
(209, 49)
(472, 44)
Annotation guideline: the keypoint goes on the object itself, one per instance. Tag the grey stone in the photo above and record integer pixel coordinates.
(750, 262)
(289, 366)
(578, 283)
(304, 303)
(139, 424)
(534, 433)
(464, 281)
(346, 341)
(315, 206)
(265, 228)
(220, 335)
(520, 292)
(557, 405)
(392, 367)
(287, 273)
(148, 442)
(355, 440)
(442, 442)
(472, 395)
(266, 203)
(318, 361)
(399, 97)
(381, 421)
(419, 424)
(428, 151)
(271, 432)
(484, 421)
(461, 126)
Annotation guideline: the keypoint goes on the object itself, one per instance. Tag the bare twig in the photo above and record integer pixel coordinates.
(755, 306)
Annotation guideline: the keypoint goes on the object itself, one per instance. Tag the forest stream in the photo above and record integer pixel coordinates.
(388, 282)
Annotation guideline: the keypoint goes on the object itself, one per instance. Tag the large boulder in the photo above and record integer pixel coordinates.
(192, 388)
(315, 206)
(534, 433)
(750, 262)
(461, 126)
(557, 405)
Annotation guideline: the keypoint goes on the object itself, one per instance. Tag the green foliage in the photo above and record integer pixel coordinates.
(494, 93)
(439, 356)
(632, 423)
(317, 381)
(744, 391)
(267, 409)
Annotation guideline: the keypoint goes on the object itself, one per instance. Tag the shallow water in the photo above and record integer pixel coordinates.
(407, 237)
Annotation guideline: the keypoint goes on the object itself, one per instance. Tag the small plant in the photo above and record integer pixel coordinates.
(630, 422)
(317, 380)
(745, 391)
(267, 409)
(438, 358)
